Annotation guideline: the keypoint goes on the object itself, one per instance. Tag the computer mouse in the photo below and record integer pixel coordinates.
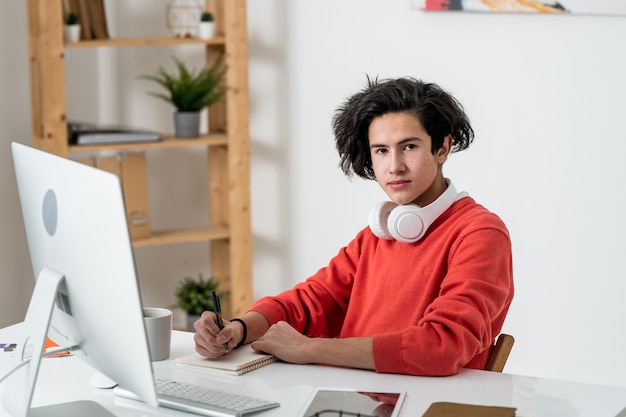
(100, 380)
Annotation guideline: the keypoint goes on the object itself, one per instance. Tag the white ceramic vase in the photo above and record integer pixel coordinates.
(206, 30)
(71, 33)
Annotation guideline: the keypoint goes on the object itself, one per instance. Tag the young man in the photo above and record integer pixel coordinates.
(425, 288)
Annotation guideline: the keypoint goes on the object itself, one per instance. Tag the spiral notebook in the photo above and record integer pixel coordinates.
(237, 362)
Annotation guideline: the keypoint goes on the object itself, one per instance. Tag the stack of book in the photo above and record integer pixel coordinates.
(91, 134)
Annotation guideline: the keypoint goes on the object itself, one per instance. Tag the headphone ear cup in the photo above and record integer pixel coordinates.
(377, 219)
(405, 223)
(408, 223)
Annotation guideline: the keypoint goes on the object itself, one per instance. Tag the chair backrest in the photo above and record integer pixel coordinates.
(500, 353)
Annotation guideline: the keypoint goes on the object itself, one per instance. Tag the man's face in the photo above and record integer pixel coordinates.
(403, 163)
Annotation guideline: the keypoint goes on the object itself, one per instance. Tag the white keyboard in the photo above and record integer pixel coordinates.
(202, 400)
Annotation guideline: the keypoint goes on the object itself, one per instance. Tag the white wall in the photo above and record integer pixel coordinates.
(544, 94)
(16, 281)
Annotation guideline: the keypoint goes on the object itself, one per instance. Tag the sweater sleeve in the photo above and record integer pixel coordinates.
(458, 327)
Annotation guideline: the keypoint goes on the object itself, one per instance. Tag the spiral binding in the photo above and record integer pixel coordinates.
(339, 413)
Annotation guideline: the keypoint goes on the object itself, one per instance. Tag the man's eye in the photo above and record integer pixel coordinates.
(410, 146)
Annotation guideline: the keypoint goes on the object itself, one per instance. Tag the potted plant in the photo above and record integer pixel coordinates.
(71, 29)
(193, 296)
(206, 27)
(190, 91)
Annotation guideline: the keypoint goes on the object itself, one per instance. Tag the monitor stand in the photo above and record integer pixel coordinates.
(71, 409)
(18, 394)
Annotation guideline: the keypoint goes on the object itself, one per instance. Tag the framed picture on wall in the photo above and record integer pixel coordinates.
(597, 7)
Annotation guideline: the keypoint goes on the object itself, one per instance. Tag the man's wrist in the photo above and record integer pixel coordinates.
(244, 331)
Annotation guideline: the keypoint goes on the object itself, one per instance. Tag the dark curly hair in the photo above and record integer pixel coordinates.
(439, 113)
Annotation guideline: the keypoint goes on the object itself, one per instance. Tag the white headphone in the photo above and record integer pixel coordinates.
(407, 223)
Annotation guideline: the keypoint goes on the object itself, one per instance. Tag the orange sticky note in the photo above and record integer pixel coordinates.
(50, 344)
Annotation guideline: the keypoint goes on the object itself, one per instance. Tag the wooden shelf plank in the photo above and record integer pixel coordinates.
(92, 43)
(165, 237)
(214, 139)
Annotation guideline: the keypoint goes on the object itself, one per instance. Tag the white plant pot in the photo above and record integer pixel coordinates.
(71, 33)
(206, 30)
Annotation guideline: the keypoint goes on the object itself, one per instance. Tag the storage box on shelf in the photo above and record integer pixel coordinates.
(227, 141)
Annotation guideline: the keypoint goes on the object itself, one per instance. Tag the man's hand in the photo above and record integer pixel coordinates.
(210, 340)
(286, 343)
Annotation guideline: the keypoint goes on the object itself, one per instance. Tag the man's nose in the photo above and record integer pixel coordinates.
(396, 163)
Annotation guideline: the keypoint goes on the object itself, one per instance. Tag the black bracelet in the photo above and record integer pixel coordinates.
(245, 332)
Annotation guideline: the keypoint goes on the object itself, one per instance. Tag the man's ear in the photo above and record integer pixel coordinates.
(444, 151)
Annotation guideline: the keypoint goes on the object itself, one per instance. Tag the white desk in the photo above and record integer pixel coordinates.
(67, 379)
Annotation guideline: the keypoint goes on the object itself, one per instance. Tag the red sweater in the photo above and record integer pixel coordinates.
(432, 307)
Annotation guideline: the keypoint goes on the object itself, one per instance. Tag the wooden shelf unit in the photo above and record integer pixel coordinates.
(227, 143)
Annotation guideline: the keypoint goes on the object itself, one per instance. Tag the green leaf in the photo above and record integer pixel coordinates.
(193, 296)
(191, 90)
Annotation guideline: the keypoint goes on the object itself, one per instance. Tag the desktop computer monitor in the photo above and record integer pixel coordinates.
(86, 290)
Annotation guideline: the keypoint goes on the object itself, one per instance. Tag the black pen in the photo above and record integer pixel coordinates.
(217, 309)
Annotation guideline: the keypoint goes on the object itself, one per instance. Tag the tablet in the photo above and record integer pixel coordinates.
(332, 402)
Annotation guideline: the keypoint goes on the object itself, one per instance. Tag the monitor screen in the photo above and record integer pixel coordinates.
(86, 289)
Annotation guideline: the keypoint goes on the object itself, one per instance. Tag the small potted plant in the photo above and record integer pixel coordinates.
(206, 27)
(190, 91)
(193, 296)
(71, 29)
